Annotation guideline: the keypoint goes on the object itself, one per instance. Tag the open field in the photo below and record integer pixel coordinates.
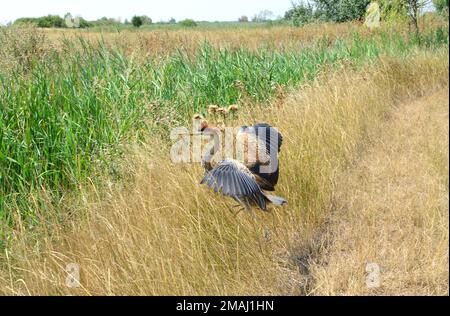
(86, 175)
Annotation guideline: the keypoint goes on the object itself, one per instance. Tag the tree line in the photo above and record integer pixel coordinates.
(304, 12)
(68, 21)
(301, 13)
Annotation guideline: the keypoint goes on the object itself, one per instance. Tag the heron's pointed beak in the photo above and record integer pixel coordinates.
(195, 133)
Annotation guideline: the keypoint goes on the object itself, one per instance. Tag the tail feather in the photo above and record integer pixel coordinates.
(276, 200)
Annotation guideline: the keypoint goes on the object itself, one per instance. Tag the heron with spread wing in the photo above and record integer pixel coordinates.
(245, 181)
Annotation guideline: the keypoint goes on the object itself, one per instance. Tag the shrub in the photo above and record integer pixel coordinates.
(136, 21)
(188, 23)
(51, 21)
(341, 10)
(263, 16)
(22, 21)
(146, 20)
(328, 10)
(441, 6)
(84, 24)
(300, 14)
(243, 19)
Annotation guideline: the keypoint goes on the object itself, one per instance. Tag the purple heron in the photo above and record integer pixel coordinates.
(245, 181)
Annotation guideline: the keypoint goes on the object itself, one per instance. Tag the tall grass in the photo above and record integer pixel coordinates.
(66, 114)
(163, 233)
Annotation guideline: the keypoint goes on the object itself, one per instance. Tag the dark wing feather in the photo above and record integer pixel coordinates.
(229, 179)
(273, 140)
(270, 135)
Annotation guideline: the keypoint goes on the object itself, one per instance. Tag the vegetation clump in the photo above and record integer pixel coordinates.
(188, 23)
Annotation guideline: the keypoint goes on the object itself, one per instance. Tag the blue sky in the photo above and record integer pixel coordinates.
(208, 10)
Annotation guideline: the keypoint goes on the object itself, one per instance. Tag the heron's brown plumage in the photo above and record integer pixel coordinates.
(245, 181)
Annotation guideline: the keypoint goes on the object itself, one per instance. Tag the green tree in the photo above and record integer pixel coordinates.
(393, 10)
(300, 14)
(263, 16)
(146, 20)
(441, 6)
(84, 23)
(341, 10)
(414, 9)
(50, 21)
(328, 10)
(137, 21)
(26, 21)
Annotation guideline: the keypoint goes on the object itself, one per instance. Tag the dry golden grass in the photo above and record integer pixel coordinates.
(165, 41)
(392, 209)
(160, 42)
(164, 234)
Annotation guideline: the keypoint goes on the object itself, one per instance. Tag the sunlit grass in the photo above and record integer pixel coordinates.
(64, 115)
(162, 233)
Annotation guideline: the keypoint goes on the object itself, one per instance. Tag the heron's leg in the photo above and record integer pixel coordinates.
(246, 206)
(241, 206)
(232, 209)
(259, 219)
(266, 233)
(253, 214)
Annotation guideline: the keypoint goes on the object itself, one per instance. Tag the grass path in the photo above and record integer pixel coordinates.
(392, 209)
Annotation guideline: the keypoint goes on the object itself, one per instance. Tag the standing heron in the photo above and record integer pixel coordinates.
(245, 181)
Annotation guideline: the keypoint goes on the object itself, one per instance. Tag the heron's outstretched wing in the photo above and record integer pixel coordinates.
(232, 178)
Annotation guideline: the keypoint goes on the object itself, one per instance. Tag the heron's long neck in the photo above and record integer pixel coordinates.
(206, 161)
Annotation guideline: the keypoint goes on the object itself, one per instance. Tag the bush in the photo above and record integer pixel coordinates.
(441, 6)
(105, 22)
(327, 10)
(146, 20)
(263, 16)
(300, 14)
(21, 21)
(393, 10)
(243, 19)
(51, 21)
(188, 23)
(84, 24)
(341, 10)
(137, 21)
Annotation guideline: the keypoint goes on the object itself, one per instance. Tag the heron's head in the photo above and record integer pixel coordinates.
(208, 129)
(203, 126)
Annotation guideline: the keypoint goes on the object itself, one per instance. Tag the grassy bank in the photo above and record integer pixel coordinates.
(162, 233)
